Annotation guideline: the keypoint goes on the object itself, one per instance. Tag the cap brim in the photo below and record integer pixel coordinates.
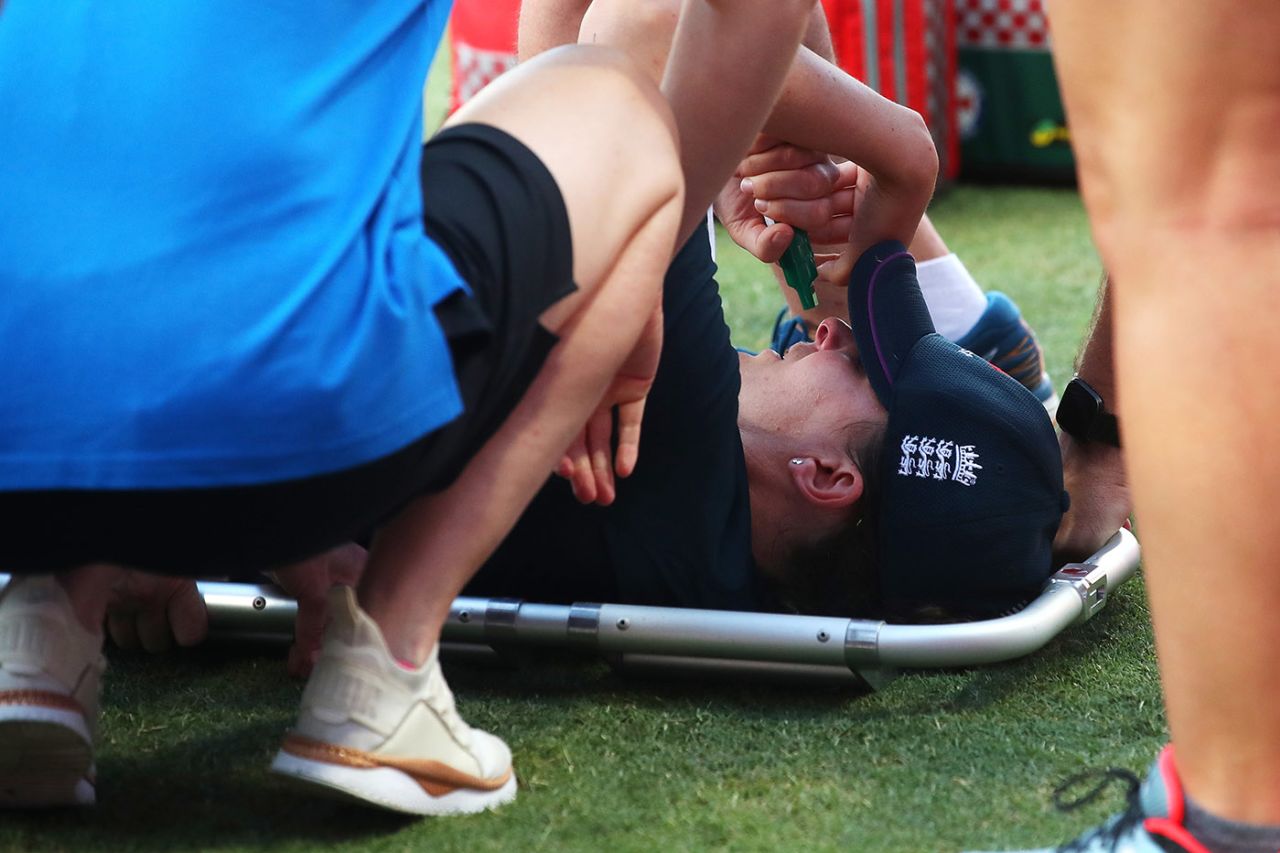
(887, 312)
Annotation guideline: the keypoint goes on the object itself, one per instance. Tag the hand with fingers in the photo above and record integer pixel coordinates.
(1094, 475)
(309, 582)
(878, 211)
(795, 187)
(155, 611)
(844, 207)
(591, 463)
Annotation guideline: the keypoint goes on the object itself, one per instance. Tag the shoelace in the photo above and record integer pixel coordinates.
(440, 699)
(1113, 831)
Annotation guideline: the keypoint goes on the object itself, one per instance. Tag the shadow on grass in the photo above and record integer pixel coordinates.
(160, 801)
(198, 794)
(1077, 656)
(190, 736)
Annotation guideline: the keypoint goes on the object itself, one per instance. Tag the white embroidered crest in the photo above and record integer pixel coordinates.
(924, 468)
(942, 468)
(967, 466)
(906, 462)
(935, 458)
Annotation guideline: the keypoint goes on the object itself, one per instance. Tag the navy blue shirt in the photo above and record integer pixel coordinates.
(679, 533)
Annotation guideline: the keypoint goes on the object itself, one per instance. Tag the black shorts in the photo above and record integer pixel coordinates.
(497, 213)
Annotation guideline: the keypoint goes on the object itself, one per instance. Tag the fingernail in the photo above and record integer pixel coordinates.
(762, 205)
(746, 186)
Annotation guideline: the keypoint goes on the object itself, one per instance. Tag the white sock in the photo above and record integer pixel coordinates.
(955, 301)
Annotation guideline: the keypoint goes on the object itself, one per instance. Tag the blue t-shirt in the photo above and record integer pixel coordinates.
(212, 263)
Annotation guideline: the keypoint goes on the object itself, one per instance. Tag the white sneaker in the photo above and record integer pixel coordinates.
(374, 731)
(50, 671)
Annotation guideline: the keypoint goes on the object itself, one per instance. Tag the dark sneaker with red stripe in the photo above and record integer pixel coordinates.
(1153, 823)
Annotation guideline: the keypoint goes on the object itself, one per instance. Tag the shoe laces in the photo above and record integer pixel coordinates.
(1112, 833)
(440, 699)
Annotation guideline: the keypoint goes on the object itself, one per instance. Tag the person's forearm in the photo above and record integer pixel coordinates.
(545, 24)
(823, 108)
(1096, 362)
(723, 76)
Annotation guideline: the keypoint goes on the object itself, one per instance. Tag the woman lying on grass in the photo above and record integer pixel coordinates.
(879, 470)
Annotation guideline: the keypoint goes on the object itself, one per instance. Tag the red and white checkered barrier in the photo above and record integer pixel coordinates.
(1005, 24)
(482, 36)
(904, 49)
(475, 68)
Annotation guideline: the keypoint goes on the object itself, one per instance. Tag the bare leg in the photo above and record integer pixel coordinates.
(928, 243)
(1192, 235)
(423, 559)
(614, 145)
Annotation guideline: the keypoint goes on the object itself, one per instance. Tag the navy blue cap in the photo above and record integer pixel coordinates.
(972, 473)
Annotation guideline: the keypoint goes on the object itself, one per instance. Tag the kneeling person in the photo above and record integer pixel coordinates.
(230, 344)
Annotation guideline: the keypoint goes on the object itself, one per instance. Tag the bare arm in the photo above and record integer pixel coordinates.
(1094, 473)
(721, 96)
(720, 65)
(819, 107)
(545, 24)
(825, 109)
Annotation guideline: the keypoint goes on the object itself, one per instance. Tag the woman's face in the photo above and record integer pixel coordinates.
(814, 392)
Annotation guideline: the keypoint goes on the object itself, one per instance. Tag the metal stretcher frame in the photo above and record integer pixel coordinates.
(726, 642)
(730, 642)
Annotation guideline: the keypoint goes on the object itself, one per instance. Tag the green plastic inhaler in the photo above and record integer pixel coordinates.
(799, 269)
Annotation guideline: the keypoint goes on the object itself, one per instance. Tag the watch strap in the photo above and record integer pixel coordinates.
(1082, 414)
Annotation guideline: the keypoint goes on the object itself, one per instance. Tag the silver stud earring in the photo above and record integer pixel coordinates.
(797, 461)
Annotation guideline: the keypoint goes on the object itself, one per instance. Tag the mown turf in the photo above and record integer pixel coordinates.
(935, 761)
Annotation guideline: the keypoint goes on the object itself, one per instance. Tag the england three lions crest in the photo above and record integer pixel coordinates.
(937, 459)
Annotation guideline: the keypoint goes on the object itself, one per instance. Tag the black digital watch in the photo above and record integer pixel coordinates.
(1083, 415)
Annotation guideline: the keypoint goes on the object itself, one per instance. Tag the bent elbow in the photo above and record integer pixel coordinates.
(919, 155)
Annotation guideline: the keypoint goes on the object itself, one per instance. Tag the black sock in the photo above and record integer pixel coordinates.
(1228, 836)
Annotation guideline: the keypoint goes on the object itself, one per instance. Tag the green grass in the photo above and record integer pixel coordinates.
(936, 761)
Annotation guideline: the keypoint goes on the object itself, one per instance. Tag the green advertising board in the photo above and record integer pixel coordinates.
(1011, 119)
(1008, 109)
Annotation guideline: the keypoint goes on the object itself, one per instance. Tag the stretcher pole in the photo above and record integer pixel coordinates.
(726, 641)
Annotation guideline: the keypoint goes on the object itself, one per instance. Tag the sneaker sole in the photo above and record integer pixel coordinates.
(46, 757)
(387, 787)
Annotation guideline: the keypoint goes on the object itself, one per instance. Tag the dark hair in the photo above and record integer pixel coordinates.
(839, 575)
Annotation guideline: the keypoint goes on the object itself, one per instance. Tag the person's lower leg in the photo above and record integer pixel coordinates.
(421, 561)
(955, 300)
(1206, 488)
(1195, 262)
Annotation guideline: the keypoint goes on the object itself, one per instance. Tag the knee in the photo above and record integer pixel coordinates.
(644, 29)
(616, 90)
(614, 78)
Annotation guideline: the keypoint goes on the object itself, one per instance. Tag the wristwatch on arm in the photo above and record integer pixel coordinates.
(1082, 414)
